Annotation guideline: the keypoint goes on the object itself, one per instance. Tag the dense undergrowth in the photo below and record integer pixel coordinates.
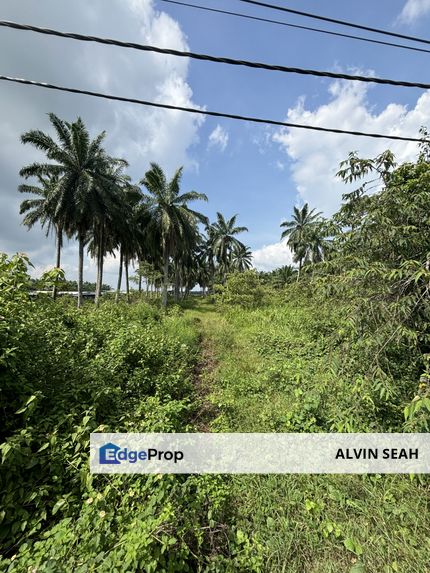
(65, 373)
(294, 364)
(303, 352)
(288, 361)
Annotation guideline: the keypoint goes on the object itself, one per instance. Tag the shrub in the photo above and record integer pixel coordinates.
(65, 373)
(242, 289)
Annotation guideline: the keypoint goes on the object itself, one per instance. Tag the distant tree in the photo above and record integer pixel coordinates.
(241, 258)
(222, 236)
(301, 233)
(86, 185)
(170, 217)
(42, 210)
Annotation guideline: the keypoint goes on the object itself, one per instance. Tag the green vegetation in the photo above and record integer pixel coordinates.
(305, 238)
(281, 368)
(44, 282)
(339, 344)
(84, 193)
(66, 373)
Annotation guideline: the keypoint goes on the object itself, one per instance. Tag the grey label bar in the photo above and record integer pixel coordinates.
(254, 453)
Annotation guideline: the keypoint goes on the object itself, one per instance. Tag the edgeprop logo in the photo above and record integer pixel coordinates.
(112, 454)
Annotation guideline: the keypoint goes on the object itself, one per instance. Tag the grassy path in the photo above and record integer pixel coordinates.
(264, 372)
(205, 370)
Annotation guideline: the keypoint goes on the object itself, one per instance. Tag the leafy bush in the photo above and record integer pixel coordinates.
(242, 289)
(66, 373)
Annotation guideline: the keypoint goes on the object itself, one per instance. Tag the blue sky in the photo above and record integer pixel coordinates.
(256, 171)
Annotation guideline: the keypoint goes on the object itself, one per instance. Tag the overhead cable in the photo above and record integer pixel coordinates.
(295, 26)
(334, 21)
(210, 113)
(216, 59)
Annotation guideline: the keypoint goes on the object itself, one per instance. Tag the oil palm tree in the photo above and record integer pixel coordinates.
(222, 236)
(41, 210)
(84, 167)
(170, 217)
(298, 231)
(283, 275)
(127, 234)
(318, 245)
(241, 258)
(116, 222)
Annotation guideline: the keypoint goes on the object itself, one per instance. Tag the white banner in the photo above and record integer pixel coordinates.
(223, 453)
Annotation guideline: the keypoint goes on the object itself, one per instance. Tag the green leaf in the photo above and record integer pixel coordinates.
(27, 404)
(58, 506)
(5, 448)
(358, 568)
(270, 522)
(353, 546)
(43, 447)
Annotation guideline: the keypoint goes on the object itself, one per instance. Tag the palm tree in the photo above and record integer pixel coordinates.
(170, 217)
(128, 232)
(206, 258)
(222, 236)
(298, 231)
(42, 210)
(109, 218)
(241, 258)
(81, 196)
(318, 245)
(283, 275)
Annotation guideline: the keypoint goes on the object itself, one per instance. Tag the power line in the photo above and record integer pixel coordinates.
(208, 113)
(209, 58)
(296, 26)
(335, 21)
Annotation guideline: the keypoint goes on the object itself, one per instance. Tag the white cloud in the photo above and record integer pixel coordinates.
(137, 133)
(272, 256)
(413, 10)
(218, 138)
(316, 156)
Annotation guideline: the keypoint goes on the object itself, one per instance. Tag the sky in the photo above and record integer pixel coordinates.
(258, 172)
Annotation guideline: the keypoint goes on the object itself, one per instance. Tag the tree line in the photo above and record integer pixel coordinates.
(82, 192)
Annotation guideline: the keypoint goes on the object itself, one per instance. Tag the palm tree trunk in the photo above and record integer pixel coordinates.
(176, 281)
(100, 258)
(140, 279)
(97, 293)
(300, 268)
(99, 284)
(166, 276)
(58, 259)
(80, 269)
(118, 288)
(127, 283)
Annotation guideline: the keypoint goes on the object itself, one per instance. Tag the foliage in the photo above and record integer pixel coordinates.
(306, 235)
(294, 365)
(380, 263)
(225, 247)
(63, 284)
(342, 345)
(279, 278)
(171, 220)
(243, 289)
(66, 373)
(81, 188)
(82, 192)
